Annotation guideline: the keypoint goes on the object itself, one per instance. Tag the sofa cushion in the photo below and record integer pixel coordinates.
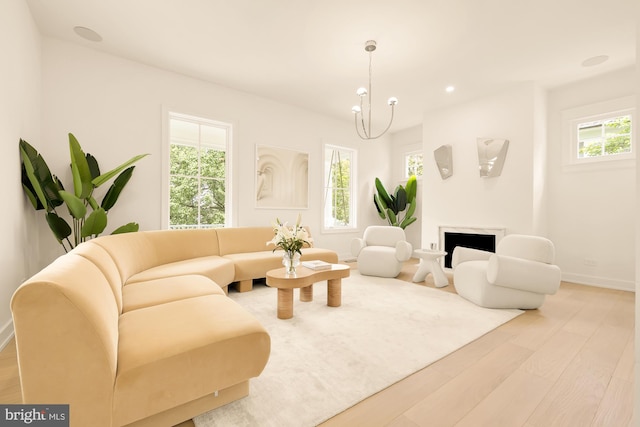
(253, 265)
(101, 258)
(159, 291)
(309, 254)
(131, 252)
(137, 252)
(162, 363)
(235, 240)
(216, 268)
(178, 245)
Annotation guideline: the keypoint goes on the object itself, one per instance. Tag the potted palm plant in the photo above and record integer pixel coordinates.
(392, 206)
(88, 217)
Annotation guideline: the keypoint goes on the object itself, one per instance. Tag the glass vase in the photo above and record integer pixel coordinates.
(290, 260)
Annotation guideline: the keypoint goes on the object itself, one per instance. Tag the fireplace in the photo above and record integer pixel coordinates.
(484, 238)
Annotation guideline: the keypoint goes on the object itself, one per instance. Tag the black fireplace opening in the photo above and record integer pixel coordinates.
(485, 242)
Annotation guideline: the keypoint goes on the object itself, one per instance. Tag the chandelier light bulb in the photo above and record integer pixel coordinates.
(361, 92)
(392, 101)
(356, 109)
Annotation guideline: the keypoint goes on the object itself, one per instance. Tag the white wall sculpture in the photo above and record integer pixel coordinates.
(491, 156)
(444, 160)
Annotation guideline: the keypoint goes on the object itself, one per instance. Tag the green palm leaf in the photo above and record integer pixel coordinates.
(412, 188)
(82, 186)
(76, 207)
(108, 175)
(61, 230)
(382, 192)
(94, 169)
(116, 188)
(408, 221)
(127, 228)
(401, 199)
(380, 206)
(37, 178)
(95, 223)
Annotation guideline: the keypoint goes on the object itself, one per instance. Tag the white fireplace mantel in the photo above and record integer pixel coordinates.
(499, 232)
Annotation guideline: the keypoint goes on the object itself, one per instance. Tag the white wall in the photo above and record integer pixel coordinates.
(591, 212)
(114, 107)
(402, 142)
(636, 400)
(466, 199)
(20, 112)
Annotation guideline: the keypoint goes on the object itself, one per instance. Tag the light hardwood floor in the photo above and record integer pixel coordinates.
(569, 363)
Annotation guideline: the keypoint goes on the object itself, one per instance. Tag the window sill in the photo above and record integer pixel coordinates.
(339, 230)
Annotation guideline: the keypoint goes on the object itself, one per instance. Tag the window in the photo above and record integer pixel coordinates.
(413, 164)
(600, 134)
(339, 177)
(604, 137)
(198, 170)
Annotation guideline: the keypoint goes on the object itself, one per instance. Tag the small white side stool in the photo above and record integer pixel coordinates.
(429, 264)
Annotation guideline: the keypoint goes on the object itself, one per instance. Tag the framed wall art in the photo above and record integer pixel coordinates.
(282, 178)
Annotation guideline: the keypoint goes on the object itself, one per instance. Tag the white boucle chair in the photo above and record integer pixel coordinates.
(518, 275)
(381, 251)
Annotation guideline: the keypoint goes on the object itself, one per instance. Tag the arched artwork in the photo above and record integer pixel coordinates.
(282, 178)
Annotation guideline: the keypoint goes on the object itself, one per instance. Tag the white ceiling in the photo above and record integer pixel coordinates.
(311, 53)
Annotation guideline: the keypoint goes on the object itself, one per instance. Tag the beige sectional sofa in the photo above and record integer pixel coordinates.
(136, 329)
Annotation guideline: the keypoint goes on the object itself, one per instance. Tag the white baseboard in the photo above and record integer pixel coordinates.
(601, 282)
(6, 333)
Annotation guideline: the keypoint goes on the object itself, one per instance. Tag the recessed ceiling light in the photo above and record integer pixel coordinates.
(450, 89)
(87, 34)
(594, 60)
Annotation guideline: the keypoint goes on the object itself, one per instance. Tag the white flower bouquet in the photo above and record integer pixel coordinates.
(289, 239)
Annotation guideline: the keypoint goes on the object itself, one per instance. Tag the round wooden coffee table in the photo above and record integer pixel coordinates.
(304, 279)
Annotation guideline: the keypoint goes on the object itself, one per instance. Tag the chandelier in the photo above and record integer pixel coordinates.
(364, 130)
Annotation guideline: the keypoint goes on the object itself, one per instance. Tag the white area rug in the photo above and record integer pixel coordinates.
(325, 360)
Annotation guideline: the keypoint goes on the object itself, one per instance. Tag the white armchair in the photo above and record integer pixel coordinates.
(381, 251)
(518, 275)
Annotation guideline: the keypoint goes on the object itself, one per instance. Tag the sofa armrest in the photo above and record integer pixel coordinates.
(404, 250)
(523, 274)
(357, 245)
(462, 254)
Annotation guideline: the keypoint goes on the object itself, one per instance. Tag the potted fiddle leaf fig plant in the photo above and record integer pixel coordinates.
(46, 192)
(391, 206)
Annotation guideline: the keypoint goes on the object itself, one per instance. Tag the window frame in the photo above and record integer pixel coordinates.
(591, 113)
(353, 214)
(170, 114)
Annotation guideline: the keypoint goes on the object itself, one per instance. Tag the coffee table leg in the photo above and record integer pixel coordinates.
(334, 292)
(306, 293)
(285, 303)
